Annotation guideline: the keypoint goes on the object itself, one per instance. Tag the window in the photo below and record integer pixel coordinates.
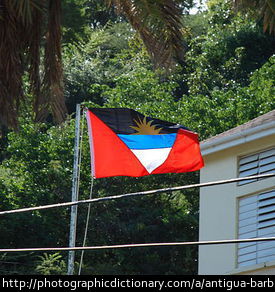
(256, 219)
(260, 163)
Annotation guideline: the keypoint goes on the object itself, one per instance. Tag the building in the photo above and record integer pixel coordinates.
(239, 210)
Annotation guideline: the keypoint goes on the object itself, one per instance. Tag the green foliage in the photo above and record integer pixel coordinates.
(227, 79)
(225, 57)
(258, 97)
(37, 171)
(73, 31)
(146, 219)
(226, 109)
(90, 65)
(142, 89)
(79, 17)
(51, 264)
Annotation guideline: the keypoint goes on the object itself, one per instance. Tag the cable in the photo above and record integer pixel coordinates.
(151, 192)
(86, 228)
(133, 245)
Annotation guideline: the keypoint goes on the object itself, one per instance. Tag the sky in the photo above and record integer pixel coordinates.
(201, 4)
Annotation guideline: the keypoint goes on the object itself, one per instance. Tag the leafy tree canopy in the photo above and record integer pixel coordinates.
(226, 79)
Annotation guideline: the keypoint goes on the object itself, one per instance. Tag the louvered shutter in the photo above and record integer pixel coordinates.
(256, 219)
(260, 163)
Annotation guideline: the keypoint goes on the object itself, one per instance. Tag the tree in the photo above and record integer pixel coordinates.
(228, 80)
(51, 264)
(263, 9)
(24, 24)
(37, 171)
(159, 25)
(89, 66)
(226, 55)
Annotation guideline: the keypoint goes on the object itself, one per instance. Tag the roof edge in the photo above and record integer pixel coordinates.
(244, 136)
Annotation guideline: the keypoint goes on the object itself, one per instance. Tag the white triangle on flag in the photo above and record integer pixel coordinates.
(152, 158)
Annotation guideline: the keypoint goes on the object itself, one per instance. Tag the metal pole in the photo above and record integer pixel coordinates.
(73, 221)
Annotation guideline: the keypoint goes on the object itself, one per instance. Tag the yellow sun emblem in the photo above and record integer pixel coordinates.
(145, 127)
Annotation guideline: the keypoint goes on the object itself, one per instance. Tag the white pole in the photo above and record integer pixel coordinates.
(72, 236)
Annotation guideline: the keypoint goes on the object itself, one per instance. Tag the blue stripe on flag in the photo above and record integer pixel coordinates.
(148, 141)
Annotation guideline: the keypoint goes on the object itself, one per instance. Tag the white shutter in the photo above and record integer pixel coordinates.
(266, 210)
(260, 163)
(256, 219)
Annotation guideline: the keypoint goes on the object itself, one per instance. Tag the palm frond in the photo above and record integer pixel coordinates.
(25, 26)
(10, 67)
(35, 33)
(159, 25)
(24, 9)
(268, 13)
(264, 9)
(52, 97)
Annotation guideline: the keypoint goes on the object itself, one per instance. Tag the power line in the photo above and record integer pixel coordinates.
(134, 245)
(86, 227)
(150, 192)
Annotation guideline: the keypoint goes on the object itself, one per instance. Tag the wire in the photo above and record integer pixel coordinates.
(133, 245)
(86, 228)
(151, 192)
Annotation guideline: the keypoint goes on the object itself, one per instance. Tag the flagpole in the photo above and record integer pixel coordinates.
(72, 236)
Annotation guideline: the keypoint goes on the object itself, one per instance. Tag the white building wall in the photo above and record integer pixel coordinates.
(218, 206)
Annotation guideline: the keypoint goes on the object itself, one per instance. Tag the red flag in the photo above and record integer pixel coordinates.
(126, 143)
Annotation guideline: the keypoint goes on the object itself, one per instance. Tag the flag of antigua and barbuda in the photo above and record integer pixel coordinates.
(126, 143)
